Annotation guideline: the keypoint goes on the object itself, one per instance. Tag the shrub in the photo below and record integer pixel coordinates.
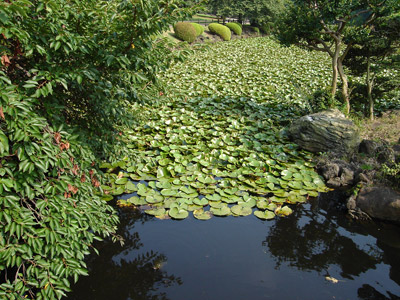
(185, 31)
(235, 27)
(63, 93)
(266, 28)
(199, 28)
(221, 30)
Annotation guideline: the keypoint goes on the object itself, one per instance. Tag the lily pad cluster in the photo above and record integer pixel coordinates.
(258, 68)
(213, 157)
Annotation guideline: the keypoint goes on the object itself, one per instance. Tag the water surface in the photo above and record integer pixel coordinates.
(316, 253)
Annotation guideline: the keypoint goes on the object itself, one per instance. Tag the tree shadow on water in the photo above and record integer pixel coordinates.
(321, 238)
(124, 272)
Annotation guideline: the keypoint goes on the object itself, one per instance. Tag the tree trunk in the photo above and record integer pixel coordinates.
(345, 86)
(369, 83)
(335, 58)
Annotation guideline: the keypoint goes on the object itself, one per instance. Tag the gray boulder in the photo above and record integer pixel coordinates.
(378, 202)
(325, 131)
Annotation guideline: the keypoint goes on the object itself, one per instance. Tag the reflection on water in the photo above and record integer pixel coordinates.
(246, 258)
(320, 239)
(125, 272)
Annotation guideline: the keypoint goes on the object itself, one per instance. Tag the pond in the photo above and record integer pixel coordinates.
(315, 253)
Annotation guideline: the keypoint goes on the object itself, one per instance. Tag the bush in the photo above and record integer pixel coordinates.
(185, 31)
(199, 28)
(221, 30)
(321, 100)
(63, 93)
(266, 28)
(235, 27)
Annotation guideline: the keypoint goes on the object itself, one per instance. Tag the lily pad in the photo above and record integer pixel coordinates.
(178, 213)
(264, 215)
(239, 210)
(222, 211)
(200, 214)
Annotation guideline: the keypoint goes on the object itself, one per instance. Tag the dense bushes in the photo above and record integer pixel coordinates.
(235, 27)
(69, 71)
(221, 30)
(199, 28)
(185, 31)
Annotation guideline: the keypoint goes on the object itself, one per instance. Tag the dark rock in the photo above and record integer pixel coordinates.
(330, 171)
(385, 155)
(368, 147)
(347, 177)
(325, 131)
(362, 177)
(379, 202)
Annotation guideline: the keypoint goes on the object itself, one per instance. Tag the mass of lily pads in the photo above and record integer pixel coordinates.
(223, 154)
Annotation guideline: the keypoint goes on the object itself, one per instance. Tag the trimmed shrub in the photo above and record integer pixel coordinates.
(221, 30)
(185, 31)
(199, 28)
(235, 27)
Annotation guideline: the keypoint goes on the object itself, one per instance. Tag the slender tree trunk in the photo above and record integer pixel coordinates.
(335, 72)
(369, 83)
(345, 86)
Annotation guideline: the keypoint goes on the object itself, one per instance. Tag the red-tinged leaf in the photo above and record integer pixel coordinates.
(2, 113)
(5, 61)
(57, 137)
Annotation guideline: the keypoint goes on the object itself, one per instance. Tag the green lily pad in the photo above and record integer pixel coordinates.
(121, 181)
(214, 197)
(239, 210)
(154, 198)
(201, 202)
(283, 211)
(137, 201)
(264, 215)
(130, 186)
(200, 214)
(169, 192)
(178, 213)
(222, 211)
(107, 198)
(155, 211)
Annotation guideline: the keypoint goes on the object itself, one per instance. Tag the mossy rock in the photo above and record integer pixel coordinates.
(199, 28)
(220, 30)
(236, 28)
(185, 31)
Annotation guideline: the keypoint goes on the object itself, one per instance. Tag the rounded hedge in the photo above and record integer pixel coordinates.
(199, 28)
(235, 27)
(185, 31)
(221, 30)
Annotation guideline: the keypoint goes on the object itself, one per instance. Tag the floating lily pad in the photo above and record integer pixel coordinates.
(178, 213)
(222, 211)
(283, 211)
(155, 211)
(264, 215)
(121, 181)
(239, 210)
(137, 201)
(200, 214)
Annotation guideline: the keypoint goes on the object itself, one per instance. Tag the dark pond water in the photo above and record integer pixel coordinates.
(246, 258)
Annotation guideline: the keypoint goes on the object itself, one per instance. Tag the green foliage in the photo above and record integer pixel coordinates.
(321, 100)
(220, 30)
(185, 31)
(256, 68)
(49, 211)
(235, 27)
(267, 27)
(219, 152)
(69, 72)
(392, 172)
(199, 28)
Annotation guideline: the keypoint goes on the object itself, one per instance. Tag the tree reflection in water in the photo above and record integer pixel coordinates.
(309, 240)
(111, 276)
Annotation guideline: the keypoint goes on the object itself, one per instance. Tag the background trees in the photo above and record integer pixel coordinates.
(334, 27)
